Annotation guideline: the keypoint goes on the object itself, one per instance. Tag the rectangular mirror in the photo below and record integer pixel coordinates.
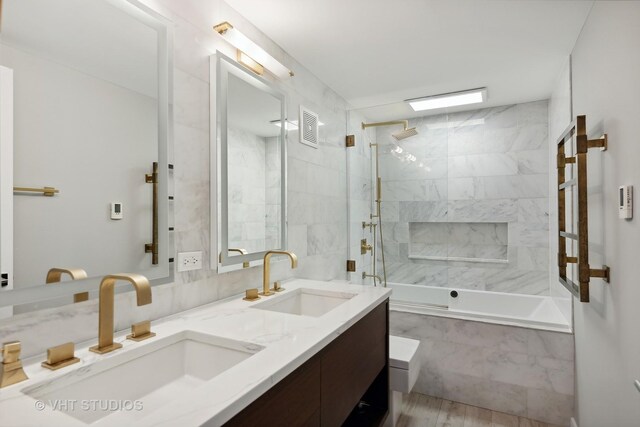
(89, 117)
(251, 150)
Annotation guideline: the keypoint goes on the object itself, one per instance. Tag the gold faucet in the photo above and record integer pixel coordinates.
(266, 291)
(11, 371)
(105, 325)
(55, 274)
(241, 251)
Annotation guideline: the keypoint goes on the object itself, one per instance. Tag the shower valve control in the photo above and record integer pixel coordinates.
(625, 202)
(364, 247)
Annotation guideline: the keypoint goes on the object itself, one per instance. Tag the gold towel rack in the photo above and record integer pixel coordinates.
(581, 289)
(152, 248)
(46, 191)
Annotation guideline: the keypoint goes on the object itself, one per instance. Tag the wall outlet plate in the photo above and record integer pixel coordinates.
(188, 261)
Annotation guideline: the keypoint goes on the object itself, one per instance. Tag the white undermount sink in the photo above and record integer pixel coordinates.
(150, 376)
(305, 302)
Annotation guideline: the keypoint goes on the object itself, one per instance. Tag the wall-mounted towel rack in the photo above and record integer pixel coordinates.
(46, 191)
(578, 128)
(152, 248)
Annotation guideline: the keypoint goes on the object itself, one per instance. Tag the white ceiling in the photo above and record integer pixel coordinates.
(376, 53)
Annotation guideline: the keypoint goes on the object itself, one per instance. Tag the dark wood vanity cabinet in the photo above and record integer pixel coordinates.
(346, 383)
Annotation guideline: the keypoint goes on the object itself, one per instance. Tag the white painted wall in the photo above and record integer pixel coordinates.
(73, 132)
(606, 87)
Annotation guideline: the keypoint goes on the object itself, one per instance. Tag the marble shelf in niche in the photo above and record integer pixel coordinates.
(482, 242)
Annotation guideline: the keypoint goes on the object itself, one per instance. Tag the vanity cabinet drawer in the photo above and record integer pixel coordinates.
(294, 401)
(325, 390)
(351, 363)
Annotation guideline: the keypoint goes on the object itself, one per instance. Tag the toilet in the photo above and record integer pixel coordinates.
(404, 367)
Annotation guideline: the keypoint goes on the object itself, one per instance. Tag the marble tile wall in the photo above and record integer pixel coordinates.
(247, 161)
(317, 187)
(524, 372)
(273, 190)
(488, 166)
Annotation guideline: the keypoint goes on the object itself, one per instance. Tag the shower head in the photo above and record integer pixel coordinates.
(406, 133)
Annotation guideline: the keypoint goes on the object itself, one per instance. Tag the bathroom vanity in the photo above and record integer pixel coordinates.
(314, 354)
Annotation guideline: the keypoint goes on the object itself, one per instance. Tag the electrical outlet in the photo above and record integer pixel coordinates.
(189, 261)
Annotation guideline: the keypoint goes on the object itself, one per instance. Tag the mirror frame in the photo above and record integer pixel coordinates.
(222, 66)
(43, 292)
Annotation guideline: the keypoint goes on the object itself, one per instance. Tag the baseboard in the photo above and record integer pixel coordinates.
(573, 422)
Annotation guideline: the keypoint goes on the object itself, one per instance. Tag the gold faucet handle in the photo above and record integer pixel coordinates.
(141, 331)
(11, 371)
(60, 356)
(251, 295)
(11, 352)
(277, 287)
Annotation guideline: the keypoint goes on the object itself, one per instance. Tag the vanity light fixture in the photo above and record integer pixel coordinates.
(453, 99)
(248, 62)
(250, 54)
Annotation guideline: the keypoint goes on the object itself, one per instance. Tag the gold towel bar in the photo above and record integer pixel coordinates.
(579, 233)
(46, 191)
(152, 248)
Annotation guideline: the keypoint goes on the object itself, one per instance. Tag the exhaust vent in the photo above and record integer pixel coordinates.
(308, 128)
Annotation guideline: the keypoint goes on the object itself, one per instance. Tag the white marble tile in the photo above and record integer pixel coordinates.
(534, 210)
(191, 161)
(551, 344)
(519, 281)
(447, 356)
(530, 258)
(466, 278)
(533, 162)
(529, 371)
(423, 211)
(485, 393)
(503, 368)
(494, 164)
(514, 186)
(532, 137)
(499, 210)
(529, 234)
(414, 190)
(551, 407)
(390, 211)
(191, 101)
(192, 49)
(533, 113)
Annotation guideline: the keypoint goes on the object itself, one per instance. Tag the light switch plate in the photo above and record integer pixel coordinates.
(188, 261)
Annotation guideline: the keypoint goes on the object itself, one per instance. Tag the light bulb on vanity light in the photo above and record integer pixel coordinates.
(249, 53)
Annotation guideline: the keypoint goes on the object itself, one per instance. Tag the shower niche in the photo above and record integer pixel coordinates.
(483, 242)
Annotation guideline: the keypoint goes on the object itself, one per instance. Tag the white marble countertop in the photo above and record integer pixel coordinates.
(288, 340)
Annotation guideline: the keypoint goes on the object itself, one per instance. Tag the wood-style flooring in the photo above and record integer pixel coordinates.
(419, 410)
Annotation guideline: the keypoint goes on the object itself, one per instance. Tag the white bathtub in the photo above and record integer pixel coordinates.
(530, 311)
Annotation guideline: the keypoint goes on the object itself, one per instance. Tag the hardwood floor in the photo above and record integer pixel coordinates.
(419, 410)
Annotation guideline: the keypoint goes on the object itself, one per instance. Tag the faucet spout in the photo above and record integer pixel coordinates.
(107, 298)
(266, 286)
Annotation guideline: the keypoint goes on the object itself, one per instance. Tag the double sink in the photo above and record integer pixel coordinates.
(156, 373)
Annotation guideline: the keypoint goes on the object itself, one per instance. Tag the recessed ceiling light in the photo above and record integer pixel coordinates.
(473, 96)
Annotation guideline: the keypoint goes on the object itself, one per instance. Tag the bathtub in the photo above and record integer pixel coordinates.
(529, 311)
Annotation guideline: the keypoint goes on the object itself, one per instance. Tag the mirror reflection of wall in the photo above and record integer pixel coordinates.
(254, 170)
(86, 121)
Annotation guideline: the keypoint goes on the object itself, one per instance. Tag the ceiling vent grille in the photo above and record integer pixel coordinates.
(309, 123)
